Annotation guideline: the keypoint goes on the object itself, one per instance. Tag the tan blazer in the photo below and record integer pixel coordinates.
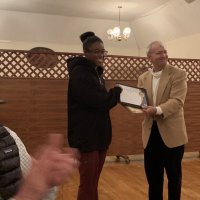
(171, 95)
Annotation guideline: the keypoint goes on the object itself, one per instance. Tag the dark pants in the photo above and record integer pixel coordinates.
(89, 170)
(157, 157)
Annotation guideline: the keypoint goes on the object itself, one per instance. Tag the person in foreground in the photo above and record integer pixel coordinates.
(89, 103)
(163, 129)
(15, 162)
(52, 167)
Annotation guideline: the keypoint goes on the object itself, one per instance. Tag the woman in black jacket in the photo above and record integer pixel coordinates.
(89, 103)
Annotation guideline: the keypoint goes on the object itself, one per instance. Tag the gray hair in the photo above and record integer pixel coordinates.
(150, 46)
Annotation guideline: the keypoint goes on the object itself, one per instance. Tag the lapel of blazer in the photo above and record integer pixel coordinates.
(148, 84)
(163, 83)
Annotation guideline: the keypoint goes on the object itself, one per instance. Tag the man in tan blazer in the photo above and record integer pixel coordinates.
(163, 129)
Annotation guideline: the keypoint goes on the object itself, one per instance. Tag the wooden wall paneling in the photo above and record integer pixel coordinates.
(15, 112)
(34, 108)
(48, 108)
(36, 99)
(192, 116)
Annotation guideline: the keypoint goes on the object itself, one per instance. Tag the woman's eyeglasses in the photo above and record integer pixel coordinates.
(99, 52)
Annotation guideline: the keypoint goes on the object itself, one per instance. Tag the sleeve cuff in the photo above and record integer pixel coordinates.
(159, 110)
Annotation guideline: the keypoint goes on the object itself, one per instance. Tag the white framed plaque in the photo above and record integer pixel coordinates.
(133, 98)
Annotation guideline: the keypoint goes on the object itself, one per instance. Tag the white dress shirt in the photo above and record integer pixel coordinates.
(155, 84)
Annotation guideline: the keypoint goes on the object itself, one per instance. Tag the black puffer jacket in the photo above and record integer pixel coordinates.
(10, 171)
(89, 124)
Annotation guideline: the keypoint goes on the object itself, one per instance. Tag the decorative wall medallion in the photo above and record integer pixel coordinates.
(42, 57)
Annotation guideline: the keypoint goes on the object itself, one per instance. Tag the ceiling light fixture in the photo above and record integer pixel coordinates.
(115, 33)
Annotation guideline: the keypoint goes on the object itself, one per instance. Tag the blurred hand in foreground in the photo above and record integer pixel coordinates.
(53, 166)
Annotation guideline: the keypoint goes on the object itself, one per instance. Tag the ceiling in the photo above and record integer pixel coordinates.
(62, 21)
(99, 9)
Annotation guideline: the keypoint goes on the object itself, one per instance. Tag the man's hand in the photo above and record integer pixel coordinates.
(149, 110)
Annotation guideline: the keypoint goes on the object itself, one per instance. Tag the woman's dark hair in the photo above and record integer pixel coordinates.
(89, 38)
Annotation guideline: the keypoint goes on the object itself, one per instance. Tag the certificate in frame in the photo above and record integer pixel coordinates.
(133, 98)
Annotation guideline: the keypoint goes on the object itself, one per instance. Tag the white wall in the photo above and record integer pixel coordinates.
(178, 28)
(28, 30)
(185, 47)
(21, 45)
(176, 24)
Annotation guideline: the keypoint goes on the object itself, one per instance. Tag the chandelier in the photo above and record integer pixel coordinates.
(115, 33)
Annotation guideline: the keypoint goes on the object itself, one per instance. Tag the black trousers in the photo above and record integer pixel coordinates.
(157, 158)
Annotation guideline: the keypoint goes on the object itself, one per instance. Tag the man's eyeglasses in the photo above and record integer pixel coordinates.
(99, 52)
